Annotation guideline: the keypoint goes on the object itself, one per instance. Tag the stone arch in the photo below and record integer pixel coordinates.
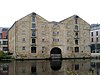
(55, 53)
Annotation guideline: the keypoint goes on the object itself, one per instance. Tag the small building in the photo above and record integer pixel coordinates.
(33, 37)
(95, 38)
(3, 39)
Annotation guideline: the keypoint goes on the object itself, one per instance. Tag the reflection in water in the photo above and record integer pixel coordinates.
(55, 64)
(52, 67)
(4, 69)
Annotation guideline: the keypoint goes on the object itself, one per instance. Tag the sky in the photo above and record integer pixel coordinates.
(51, 10)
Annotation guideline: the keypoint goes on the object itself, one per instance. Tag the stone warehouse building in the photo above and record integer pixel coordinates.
(33, 37)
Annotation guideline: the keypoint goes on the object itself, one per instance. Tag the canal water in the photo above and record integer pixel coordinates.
(50, 67)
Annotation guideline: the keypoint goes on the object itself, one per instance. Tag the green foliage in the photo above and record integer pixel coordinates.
(4, 55)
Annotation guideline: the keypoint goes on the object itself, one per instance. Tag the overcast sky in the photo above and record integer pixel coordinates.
(52, 10)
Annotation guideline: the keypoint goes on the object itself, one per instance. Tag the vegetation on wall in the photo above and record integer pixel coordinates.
(4, 55)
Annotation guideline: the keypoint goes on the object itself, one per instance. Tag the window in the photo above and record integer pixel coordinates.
(76, 42)
(23, 48)
(43, 48)
(33, 33)
(43, 40)
(76, 35)
(68, 48)
(96, 33)
(91, 33)
(76, 49)
(68, 40)
(23, 39)
(55, 40)
(76, 66)
(76, 28)
(33, 17)
(5, 48)
(96, 39)
(33, 40)
(5, 42)
(33, 49)
(76, 19)
(33, 25)
(55, 33)
(91, 39)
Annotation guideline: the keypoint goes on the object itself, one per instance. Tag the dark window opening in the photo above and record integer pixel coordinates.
(96, 39)
(23, 39)
(23, 48)
(91, 39)
(33, 33)
(33, 17)
(76, 35)
(33, 25)
(91, 33)
(76, 49)
(76, 42)
(33, 49)
(5, 48)
(76, 28)
(76, 19)
(96, 33)
(33, 40)
(5, 42)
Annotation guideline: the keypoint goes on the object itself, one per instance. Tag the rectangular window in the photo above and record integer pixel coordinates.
(5, 42)
(23, 39)
(76, 19)
(33, 49)
(5, 48)
(33, 25)
(76, 49)
(96, 39)
(33, 33)
(55, 33)
(43, 48)
(23, 48)
(76, 28)
(76, 42)
(43, 40)
(96, 33)
(76, 66)
(33, 18)
(76, 35)
(91, 39)
(91, 33)
(55, 40)
(33, 40)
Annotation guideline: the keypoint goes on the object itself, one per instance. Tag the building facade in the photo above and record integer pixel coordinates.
(33, 37)
(3, 39)
(95, 38)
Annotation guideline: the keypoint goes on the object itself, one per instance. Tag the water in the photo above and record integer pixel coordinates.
(48, 67)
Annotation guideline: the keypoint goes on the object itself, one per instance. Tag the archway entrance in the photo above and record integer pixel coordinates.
(55, 53)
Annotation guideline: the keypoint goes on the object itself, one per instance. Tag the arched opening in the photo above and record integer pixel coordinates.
(55, 52)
